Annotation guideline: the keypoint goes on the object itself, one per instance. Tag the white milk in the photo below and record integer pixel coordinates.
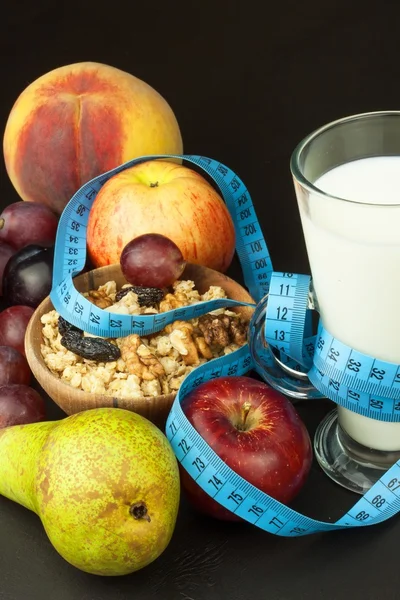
(354, 253)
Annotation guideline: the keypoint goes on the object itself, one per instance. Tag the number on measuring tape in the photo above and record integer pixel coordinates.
(286, 317)
(355, 380)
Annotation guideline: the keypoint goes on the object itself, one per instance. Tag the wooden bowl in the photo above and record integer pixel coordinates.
(72, 400)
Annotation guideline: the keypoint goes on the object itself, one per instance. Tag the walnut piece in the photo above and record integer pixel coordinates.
(172, 301)
(215, 329)
(238, 331)
(100, 298)
(222, 330)
(203, 347)
(181, 336)
(138, 358)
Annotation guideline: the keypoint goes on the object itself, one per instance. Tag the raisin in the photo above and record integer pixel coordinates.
(64, 326)
(123, 292)
(89, 347)
(147, 296)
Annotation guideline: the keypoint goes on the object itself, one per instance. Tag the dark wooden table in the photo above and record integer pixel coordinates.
(246, 83)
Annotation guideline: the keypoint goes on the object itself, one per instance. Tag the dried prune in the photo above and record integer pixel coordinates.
(90, 347)
(123, 292)
(147, 296)
(64, 326)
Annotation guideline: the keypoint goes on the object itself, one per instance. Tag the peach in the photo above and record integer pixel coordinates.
(79, 121)
(159, 196)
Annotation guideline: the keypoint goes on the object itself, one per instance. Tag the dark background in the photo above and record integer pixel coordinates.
(247, 81)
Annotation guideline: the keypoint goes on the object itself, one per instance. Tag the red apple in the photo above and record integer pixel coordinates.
(256, 431)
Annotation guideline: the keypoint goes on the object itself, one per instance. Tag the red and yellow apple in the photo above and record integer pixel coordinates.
(256, 431)
(159, 196)
(79, 121)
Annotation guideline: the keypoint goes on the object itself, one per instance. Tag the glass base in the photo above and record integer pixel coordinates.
(294, 384)
(347, 462)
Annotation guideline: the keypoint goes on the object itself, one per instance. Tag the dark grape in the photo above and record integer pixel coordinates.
(14, 367)
(19, 405)
(23, 223)
(27, 277)
(13, 324)
(6, 252)
(152, 260)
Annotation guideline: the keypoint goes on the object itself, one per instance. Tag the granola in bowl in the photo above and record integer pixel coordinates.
(141, 367)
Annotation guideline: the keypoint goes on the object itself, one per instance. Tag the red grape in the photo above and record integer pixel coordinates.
(13, 324)
(6, 252)
(23, 223)
(14, 367)
(152, 260)
(19, 405)
(28, 276)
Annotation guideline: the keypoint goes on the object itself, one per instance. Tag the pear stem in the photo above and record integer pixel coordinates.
(139, 511)
(154, 184)
(2, 221)
(246, 406)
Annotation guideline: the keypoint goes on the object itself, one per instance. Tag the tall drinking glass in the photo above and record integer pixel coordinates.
(347, 183)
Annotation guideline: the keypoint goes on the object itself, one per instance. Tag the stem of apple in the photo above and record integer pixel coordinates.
(246, 406)
(154, 184)
(2, 221)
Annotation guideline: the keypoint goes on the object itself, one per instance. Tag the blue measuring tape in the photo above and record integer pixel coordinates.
(354, 380)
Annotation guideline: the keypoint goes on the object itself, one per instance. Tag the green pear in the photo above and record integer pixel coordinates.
(104, 482)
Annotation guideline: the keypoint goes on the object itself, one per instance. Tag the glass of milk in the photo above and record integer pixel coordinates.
(347, 183)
